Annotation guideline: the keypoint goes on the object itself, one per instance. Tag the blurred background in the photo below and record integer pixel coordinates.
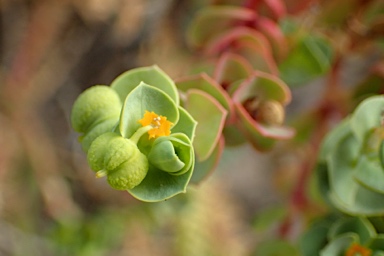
(50, 201)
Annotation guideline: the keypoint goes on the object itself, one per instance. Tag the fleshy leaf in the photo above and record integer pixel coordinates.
(346, 194)
(314, 239)
(273, 32)
(248, 43)
(263, 86)
(230, 68)
(360, 226)
(204, 168)
(377, 243)
(152, 75)
(159, 185)
(332, 138)
(210, 116)
(262, 137)
(210, 21)
(339, 245)
(206, 84)
(186, 124)
(173, 154)
(145, 98)
(367, 116)
(310, 59)
(370, 174)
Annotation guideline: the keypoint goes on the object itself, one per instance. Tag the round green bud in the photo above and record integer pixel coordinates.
(94, 105)
(130, 174)
(98, 149)
(120, 159)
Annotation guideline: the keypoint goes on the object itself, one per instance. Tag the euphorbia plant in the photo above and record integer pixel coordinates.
(136, 133)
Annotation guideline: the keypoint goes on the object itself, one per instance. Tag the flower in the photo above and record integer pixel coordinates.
(161, 126)
(358, 250)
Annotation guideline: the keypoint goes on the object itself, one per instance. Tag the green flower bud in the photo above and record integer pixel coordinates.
(173, 154)
(119, 159)
(94, 105)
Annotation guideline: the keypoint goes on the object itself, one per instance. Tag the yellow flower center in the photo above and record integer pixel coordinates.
(161, 126)
(358, 250)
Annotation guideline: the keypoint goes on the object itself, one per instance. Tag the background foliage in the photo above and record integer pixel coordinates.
(330, 53)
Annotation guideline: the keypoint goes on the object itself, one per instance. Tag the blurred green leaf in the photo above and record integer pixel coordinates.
(186, 124)
(206, 167)
(339, 245)
(310, 58)
(210, 116)
(367, 116)
(214, 20)
(276, 248)
(360, 226)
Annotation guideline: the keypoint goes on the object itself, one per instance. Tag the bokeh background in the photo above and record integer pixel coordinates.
(50, 201)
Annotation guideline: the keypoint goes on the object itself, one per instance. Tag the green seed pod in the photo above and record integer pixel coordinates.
(173, 154)
(119, 159)
(98, 149)
(94, 105)
(130, 174)
(270, 112)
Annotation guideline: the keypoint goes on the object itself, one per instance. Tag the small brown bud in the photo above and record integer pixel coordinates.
(270, 112)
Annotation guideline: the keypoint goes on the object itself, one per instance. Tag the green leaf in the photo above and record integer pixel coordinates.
(310, 58)
(332, 138)
(152, 75)
(186, 124)
(159, 185)
(206, 84)
(263, 86)
(164, 157)
(315, 238)
(214, 20)
(204, 168)
(173, 154)
(230, 68)
(361, 226)
(210, 116)
(145, 98)
(377, 243)
(381, 154)
(367, 116)
(370, 174)
(276, 248)
(261, 136)
(340, 164)
(339, 245)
